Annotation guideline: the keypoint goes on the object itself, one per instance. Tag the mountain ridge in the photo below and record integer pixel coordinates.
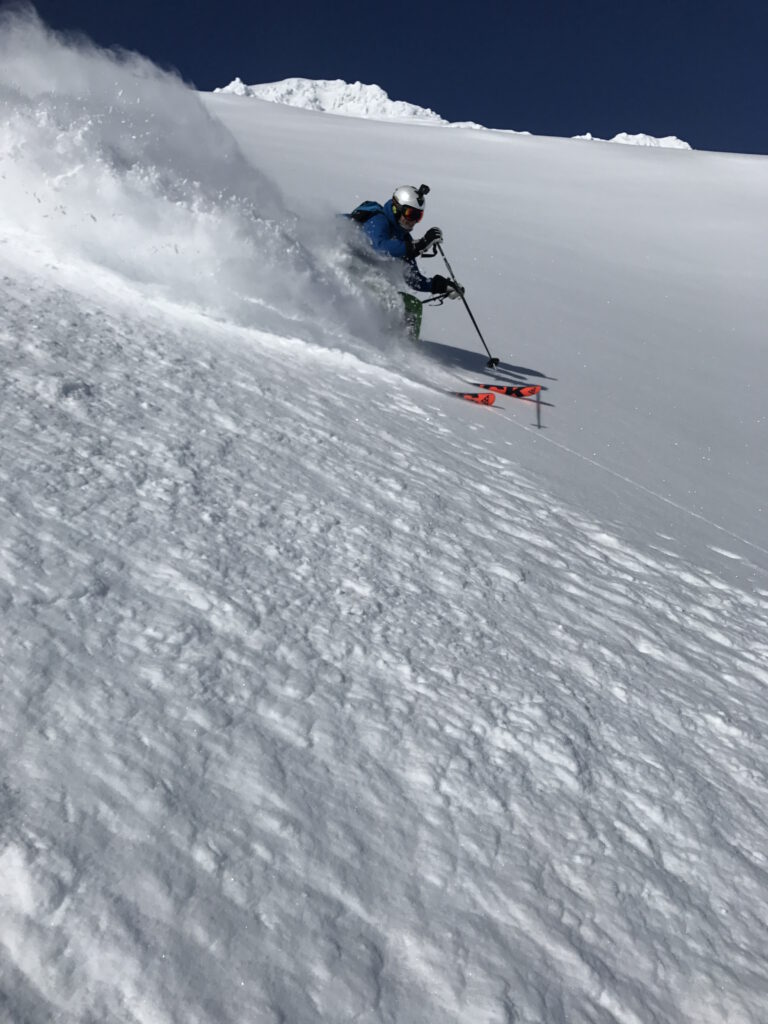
(356, 99)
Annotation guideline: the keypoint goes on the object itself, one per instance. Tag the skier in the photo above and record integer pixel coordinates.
(388, 228)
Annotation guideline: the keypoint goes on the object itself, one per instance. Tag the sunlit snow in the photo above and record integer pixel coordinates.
(354, 99)
(328, 697)
(667, 142)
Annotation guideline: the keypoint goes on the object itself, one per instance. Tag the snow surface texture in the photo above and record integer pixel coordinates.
(371, 101)
(327, 697)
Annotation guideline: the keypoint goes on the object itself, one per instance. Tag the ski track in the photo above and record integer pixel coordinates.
(657, 497)
(316, 710)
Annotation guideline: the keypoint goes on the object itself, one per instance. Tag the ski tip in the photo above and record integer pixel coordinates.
(473, 396)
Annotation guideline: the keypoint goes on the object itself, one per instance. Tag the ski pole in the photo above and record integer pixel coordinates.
(492, 360)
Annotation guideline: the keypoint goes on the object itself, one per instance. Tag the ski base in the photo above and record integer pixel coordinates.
(473, 396)
(511, 390)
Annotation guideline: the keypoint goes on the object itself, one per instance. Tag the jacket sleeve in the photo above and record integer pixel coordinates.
(378, 231)
(415, 278)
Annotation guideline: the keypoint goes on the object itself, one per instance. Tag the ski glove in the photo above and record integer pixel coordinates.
(432, 237)
(445, 286)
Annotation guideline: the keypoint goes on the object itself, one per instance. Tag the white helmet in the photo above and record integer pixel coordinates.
(409, 201)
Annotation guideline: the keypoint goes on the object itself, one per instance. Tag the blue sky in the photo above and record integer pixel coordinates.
(692, 68)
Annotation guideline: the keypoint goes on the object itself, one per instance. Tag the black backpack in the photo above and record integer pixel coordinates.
(365, 211)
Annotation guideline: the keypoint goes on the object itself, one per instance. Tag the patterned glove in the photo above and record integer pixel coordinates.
(455, 291)
(432, 237)
(445, 286)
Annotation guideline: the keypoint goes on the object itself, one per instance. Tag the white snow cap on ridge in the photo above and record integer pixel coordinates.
(353, 99)
(668, 142)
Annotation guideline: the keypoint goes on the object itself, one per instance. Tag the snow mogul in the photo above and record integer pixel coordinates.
(387, 228)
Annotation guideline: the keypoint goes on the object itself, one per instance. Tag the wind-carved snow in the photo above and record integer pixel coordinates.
(667, 142)
(327, 697)
(354, 99)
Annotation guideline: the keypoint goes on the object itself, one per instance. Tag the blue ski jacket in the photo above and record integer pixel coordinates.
(387, 237)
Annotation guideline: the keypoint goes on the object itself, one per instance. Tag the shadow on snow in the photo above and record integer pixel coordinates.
(477, 362)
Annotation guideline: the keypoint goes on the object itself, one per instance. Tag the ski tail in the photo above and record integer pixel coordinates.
(473, 396)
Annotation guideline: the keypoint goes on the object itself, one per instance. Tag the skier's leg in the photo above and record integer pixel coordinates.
(413, 311)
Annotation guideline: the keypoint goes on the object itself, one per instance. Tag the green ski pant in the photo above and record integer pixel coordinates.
(413, 313)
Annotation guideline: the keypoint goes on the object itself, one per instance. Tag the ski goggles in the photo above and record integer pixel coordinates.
(411, 213)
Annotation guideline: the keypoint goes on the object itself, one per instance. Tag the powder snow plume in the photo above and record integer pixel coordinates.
(108, 159)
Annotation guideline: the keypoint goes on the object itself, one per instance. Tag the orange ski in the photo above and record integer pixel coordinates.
(472, 396)
(512, 390)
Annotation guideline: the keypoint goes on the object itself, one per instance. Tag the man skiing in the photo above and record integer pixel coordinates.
(388, 228)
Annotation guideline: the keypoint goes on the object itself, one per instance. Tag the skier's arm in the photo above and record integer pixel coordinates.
(415, 279)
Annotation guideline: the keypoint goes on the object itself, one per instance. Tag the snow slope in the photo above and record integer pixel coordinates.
(327, 697)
